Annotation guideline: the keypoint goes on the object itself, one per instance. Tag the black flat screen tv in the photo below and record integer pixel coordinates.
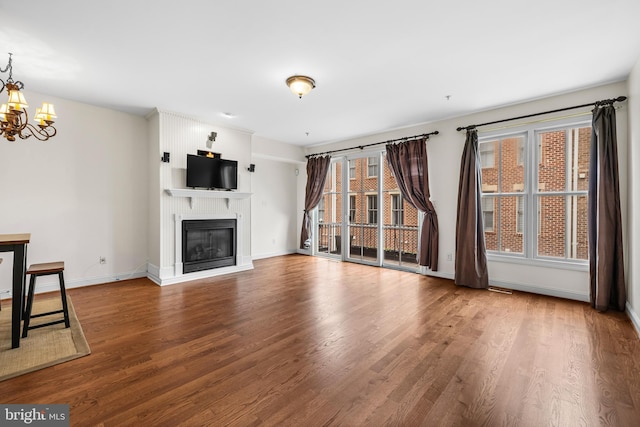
(211, 173)
(225, 175)
(199, 171)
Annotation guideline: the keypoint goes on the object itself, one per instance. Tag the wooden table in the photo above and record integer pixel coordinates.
(16, 243)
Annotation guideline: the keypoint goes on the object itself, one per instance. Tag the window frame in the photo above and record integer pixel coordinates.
(373, 164)
(352, 208)
(520, 215)
(480, 153)
(521, 154)
(321, 209)
(493, 213)
(373, 209)
(397, 213)
(534, 156)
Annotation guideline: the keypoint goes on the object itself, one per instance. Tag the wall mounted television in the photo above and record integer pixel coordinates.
(225, 174)
(211, 173)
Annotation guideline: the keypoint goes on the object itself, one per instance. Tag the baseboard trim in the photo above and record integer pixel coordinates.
(439, 274)
(53, 286)
(635, 320)
(274, 254)
(559, 293)
(164, 281)
(577, 296)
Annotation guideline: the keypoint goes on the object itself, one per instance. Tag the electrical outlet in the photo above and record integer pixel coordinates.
(449, 257)
(103, 260)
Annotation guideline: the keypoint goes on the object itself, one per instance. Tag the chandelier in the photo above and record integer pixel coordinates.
(14, 119)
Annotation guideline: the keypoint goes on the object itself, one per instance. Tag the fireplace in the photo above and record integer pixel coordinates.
(208, 244)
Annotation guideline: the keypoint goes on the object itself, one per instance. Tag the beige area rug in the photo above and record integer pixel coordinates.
(43, 347)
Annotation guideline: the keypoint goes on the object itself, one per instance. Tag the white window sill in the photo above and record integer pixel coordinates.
(548, 263)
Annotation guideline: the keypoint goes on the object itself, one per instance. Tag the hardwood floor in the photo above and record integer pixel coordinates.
(308, 341)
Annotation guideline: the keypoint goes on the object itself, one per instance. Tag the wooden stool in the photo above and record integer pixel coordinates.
(35, 271)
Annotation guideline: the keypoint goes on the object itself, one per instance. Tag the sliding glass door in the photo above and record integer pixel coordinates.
(400, 225)
(366, 219)
(329, 214)
(363, 227)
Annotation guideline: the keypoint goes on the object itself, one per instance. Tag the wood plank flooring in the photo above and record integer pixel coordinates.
(306, 341)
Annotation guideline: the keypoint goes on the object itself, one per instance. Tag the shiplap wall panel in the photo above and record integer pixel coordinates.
(180, 136)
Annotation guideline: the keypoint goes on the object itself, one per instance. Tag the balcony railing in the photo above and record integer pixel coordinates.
(400, 242)
(329, 241)
(400, 245)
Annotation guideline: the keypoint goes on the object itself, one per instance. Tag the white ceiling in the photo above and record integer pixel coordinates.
(378, 65)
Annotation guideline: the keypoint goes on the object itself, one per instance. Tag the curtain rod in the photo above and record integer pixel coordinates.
(406, 138)
(603, 102)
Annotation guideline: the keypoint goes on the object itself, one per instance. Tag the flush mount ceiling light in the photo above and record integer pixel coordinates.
(301, 85)
(12, 121)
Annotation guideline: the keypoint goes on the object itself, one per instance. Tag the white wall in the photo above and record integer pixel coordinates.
(273, 208)
(279, 151)
(153, 156)
(633, 164)
(275, 197)
(81, 195)
(445, 151)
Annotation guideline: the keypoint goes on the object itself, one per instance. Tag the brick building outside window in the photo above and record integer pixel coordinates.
(534, 192)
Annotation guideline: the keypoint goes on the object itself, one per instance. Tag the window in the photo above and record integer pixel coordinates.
(352, 208)
(520, 156)
(487, 213)
(487, 155)
(372, 166)
(561, 193)
(397, 211)
(534, 200)
(502, 183)
(352, 170)
(321, 210)
(372, 209)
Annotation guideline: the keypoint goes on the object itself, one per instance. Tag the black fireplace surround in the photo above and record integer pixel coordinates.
(208, 244)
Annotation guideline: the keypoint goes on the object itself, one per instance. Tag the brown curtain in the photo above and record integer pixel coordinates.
(606, 266)
(317, 168)
(471, 255)
(408, 161)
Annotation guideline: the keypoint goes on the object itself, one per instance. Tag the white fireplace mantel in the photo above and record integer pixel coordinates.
(177, 276)
(194, 194)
